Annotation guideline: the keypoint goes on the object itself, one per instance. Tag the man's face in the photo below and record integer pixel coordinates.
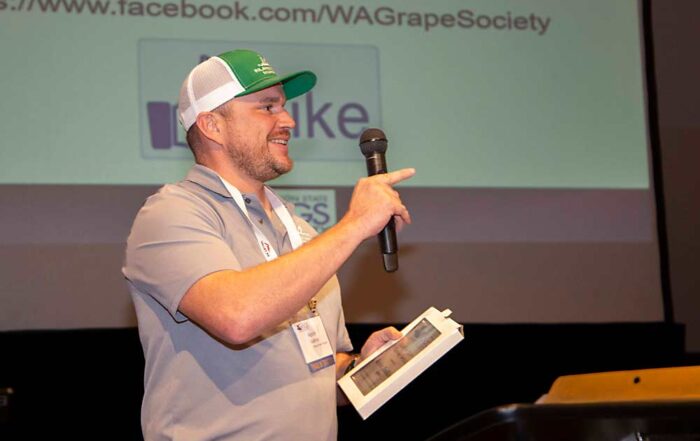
(257, 131)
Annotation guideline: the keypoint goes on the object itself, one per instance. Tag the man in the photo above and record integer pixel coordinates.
(238, 306)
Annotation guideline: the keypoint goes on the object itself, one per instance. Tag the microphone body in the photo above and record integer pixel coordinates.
(373, 144)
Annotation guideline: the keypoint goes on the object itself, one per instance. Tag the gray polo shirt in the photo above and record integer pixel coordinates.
(196, 387)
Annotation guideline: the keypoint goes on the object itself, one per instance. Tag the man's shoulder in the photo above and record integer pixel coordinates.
(179, 193)
(200, 185)
(178, 200)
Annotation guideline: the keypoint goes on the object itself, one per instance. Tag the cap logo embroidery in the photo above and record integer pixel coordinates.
(264, 67)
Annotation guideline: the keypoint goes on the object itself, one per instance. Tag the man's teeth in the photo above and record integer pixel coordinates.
(279, 141)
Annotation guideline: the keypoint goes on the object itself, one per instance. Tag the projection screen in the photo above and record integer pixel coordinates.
(525, 120)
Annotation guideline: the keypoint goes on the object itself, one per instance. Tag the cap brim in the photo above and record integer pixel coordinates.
(293, 84)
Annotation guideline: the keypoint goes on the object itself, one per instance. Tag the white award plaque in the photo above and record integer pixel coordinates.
(375, 380)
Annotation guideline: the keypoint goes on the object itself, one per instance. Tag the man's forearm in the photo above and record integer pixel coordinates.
(238, 306)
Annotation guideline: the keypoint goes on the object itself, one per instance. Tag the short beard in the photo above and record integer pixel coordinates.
(261, 170)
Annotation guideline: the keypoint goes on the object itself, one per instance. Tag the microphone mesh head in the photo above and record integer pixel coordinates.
(373, 141)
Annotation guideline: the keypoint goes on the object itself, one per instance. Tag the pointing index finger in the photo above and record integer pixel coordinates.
(399, 175)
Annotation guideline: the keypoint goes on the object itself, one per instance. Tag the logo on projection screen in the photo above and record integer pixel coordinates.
(329, 119)
(315, 206)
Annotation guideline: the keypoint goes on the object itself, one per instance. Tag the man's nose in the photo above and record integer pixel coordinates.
(286, 120)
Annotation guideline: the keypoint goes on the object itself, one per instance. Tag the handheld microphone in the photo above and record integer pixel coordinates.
(373, 145)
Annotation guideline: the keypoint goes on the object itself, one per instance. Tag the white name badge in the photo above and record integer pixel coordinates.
(312, 338)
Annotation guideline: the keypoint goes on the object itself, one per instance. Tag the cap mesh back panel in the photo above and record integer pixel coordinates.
(207, 77)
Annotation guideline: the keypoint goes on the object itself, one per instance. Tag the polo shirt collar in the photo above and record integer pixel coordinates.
(207, 178)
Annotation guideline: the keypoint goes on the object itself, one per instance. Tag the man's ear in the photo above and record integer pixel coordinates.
(210, 125)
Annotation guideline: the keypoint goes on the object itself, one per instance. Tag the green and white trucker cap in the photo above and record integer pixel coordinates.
(233, 74)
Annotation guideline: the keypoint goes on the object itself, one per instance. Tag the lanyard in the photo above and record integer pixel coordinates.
(280, 210)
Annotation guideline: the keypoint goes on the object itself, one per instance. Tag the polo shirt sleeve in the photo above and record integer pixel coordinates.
(176, 240)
